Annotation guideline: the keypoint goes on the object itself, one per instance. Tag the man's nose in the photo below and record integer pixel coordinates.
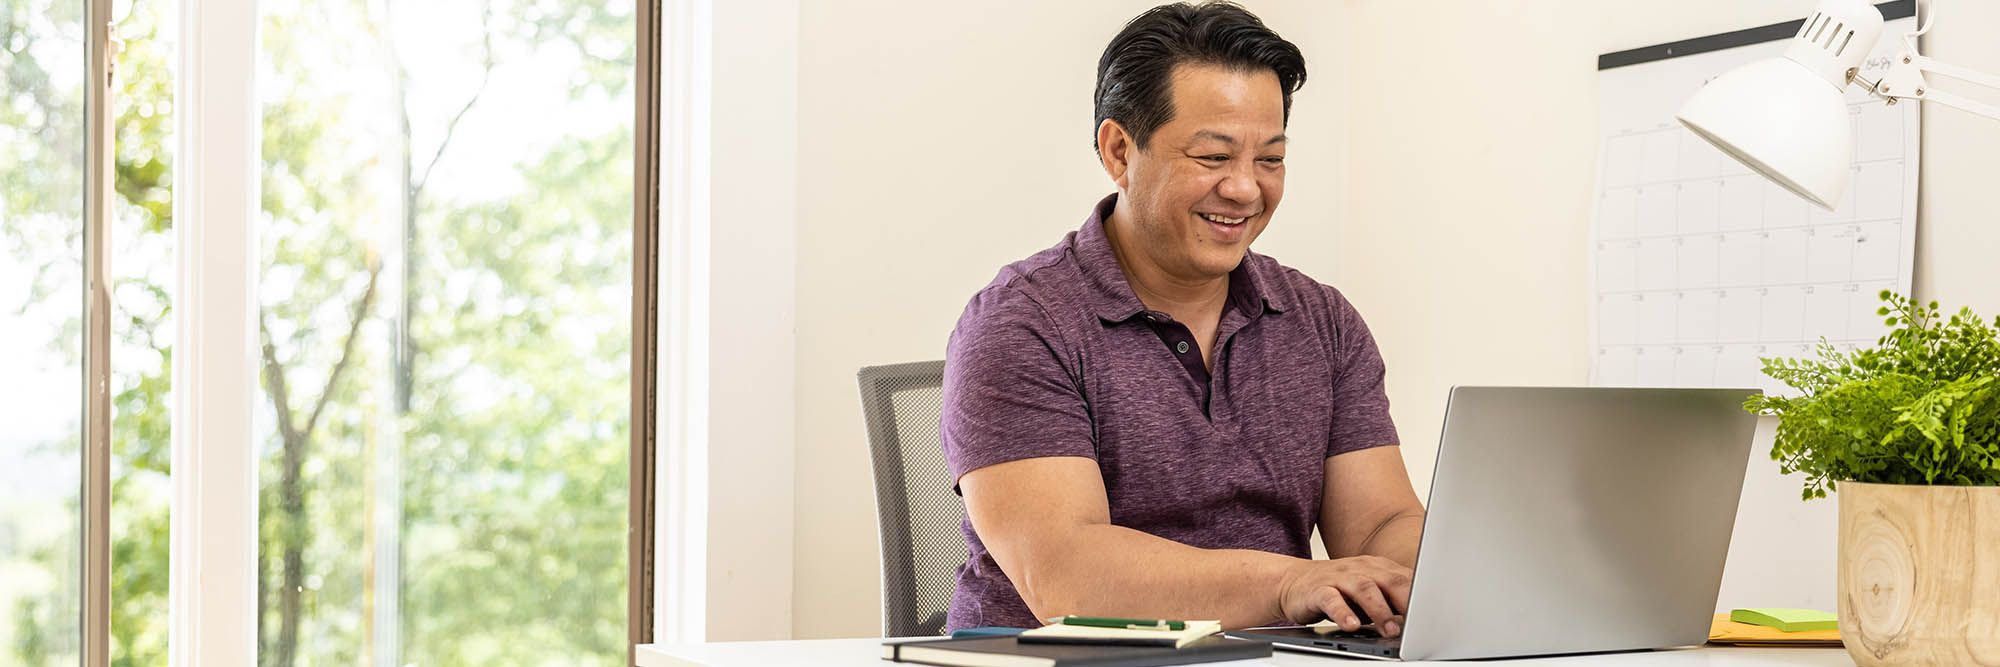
(1239, 185)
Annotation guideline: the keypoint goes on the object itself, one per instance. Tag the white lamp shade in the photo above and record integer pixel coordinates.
(1782, 120)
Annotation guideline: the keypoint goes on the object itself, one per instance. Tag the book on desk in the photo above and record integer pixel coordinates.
(1012, 652)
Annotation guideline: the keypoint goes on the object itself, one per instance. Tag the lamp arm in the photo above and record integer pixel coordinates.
(1963, 103)
(1905, 81)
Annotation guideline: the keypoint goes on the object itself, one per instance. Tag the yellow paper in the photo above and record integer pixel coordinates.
(1725, 631)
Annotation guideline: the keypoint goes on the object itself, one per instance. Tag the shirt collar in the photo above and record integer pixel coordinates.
(1111, 295)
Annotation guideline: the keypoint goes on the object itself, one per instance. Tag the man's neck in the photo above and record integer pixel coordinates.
(1184, 298)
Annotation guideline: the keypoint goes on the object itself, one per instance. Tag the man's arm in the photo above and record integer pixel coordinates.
(1047, 522)
(1369, 508)
(1369, 512)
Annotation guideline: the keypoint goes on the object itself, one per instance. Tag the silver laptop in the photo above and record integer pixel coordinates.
(1567, 520)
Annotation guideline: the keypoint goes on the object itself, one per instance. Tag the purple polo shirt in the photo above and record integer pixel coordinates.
(1057, 357)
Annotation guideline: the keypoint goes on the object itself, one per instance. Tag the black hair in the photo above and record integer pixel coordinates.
(1134, 76)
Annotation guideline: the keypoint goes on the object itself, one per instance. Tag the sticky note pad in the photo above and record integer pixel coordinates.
(1786, 620)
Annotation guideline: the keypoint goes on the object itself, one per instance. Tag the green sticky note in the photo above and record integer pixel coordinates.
(1786, 620)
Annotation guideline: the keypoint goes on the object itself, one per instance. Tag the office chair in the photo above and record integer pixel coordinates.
(919, 514)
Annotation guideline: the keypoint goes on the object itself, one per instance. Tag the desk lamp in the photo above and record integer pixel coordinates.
(1786, 117)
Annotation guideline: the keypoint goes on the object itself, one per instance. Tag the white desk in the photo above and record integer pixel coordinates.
(868, 653)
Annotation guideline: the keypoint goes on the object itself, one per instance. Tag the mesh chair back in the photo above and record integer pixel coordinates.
(919, 514)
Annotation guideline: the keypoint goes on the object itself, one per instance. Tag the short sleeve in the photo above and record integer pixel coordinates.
(1008, 392)
(1360, 400)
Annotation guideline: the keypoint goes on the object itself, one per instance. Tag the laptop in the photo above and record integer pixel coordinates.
(1566, 520)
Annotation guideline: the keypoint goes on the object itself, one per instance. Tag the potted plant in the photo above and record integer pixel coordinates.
(1909, 432)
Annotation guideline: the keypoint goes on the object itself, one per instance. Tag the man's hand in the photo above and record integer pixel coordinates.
(1337, 589)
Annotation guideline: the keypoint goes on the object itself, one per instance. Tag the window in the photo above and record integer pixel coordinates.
(443, 342)
(42, 127)
(444, 318)
(41, 267)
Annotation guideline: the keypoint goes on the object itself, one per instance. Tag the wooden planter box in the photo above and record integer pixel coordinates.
(1920, 574)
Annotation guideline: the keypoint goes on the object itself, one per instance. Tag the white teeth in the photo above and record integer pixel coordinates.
(1211, 217)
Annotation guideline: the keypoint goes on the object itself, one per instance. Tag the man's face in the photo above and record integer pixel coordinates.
(1208, 181)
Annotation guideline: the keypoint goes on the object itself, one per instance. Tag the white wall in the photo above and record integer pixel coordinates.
(1958, 208)
(1472, 154)
(751, 280)
(939, 141)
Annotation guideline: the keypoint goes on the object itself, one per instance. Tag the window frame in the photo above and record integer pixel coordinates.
(642, 466)
(680, 92)
(95, 475)
(212, 551)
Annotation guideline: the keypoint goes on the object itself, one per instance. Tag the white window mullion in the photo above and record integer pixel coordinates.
(212, 584)
(681, 584)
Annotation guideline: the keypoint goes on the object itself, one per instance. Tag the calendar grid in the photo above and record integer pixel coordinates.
(1701, 267)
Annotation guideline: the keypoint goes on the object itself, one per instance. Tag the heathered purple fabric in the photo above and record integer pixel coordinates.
(1055, 358)
(1180, 341)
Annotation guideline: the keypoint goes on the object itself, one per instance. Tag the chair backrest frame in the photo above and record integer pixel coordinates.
(902, 614)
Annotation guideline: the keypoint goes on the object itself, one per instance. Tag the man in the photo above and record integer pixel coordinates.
(1148, 420)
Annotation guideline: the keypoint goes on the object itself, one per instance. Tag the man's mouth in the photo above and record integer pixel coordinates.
(1222, 220)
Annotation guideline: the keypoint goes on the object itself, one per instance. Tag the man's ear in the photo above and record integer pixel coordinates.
(1114, 149)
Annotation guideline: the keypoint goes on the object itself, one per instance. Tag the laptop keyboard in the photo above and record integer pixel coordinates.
(1366, 632)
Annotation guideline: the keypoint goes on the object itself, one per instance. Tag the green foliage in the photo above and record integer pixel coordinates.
(533, 425)
(1921, 407)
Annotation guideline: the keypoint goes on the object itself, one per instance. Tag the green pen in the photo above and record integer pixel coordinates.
(1126, 623)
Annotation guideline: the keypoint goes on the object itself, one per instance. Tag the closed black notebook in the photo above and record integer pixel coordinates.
(1008, 652)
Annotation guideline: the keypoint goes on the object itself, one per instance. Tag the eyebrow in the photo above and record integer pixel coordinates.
(1224, 138)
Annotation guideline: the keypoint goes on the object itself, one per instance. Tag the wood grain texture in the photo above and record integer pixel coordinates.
(1920, 574)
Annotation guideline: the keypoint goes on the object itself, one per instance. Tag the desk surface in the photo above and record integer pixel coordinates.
(867, 652)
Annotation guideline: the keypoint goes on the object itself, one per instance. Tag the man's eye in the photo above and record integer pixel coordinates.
(1274, 160)
(1214, 159)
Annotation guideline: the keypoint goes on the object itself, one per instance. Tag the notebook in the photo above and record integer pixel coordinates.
(1009, 652)
(1059, 633)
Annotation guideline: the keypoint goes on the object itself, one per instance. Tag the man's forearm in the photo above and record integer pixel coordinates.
(1397, 538)
(1107, 570)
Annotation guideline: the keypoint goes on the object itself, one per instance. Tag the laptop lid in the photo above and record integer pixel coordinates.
(1577, 519)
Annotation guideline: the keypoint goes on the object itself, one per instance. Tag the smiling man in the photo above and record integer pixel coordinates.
(1149, 419)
